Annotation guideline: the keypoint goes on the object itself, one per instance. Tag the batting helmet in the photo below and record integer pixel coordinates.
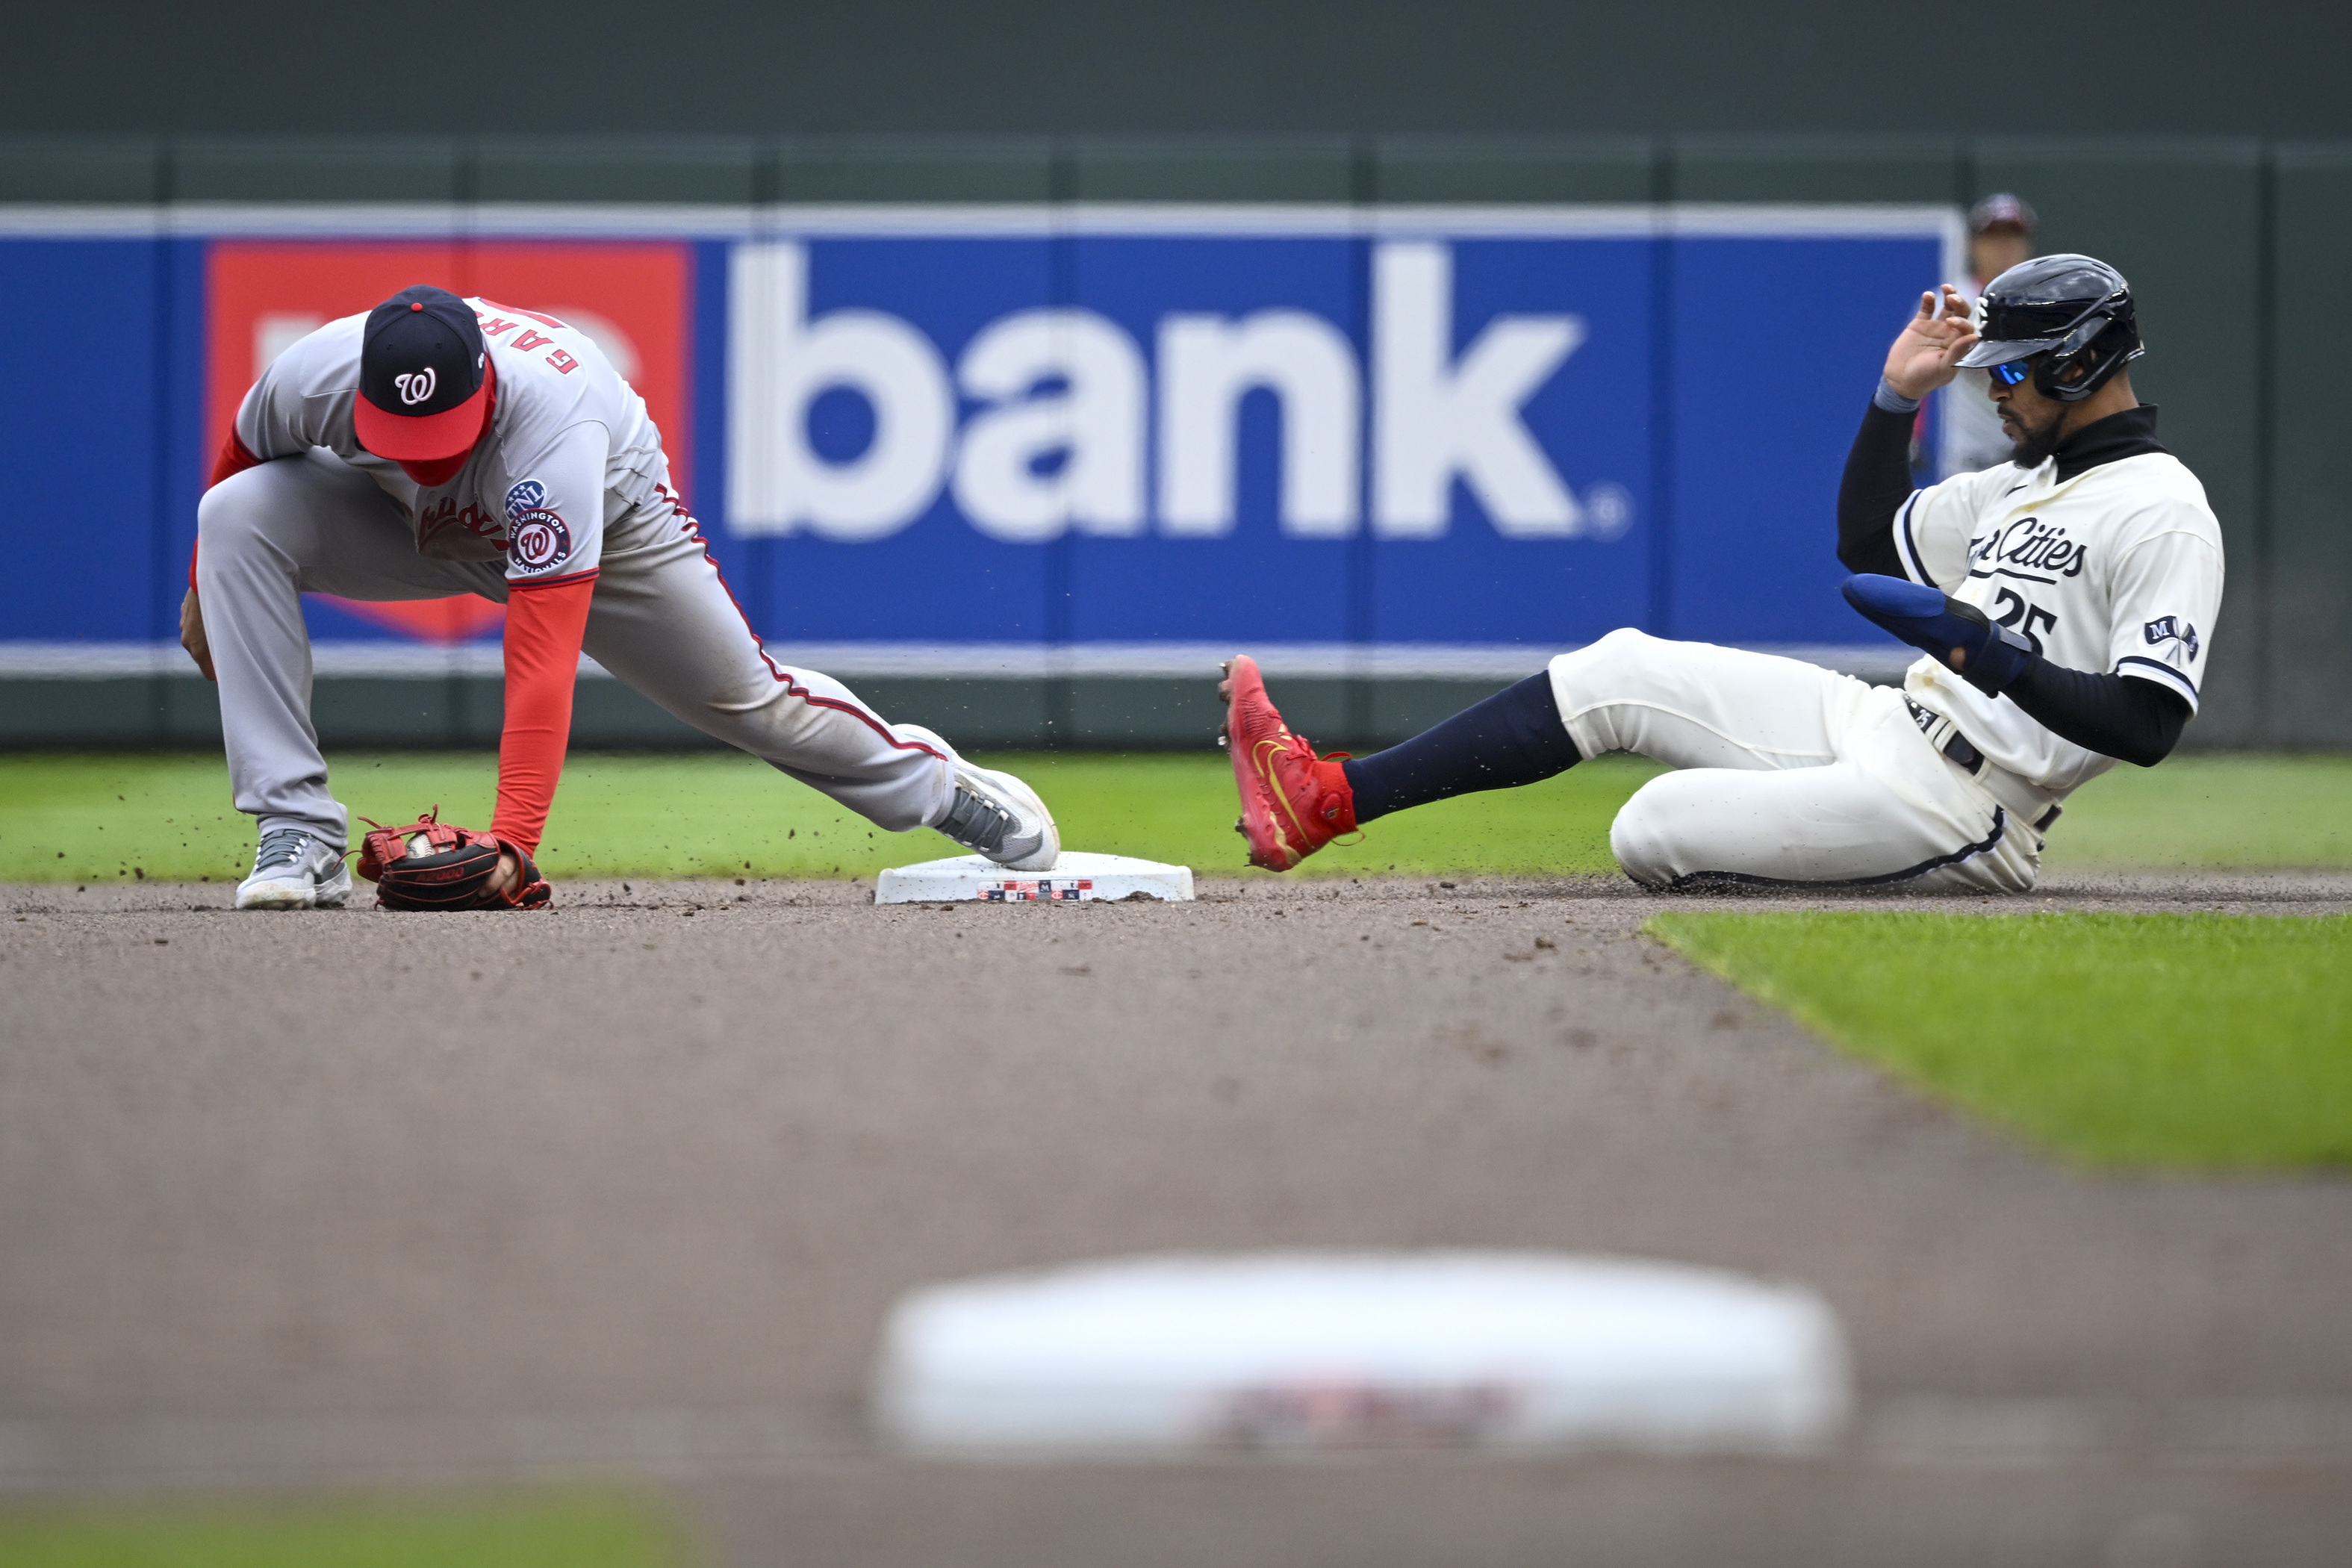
(2071, 314)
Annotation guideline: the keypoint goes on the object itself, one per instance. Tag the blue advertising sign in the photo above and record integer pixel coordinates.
(1105, 439)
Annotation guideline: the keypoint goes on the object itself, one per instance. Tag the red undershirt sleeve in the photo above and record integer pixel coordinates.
(233, 460)
(544, 624)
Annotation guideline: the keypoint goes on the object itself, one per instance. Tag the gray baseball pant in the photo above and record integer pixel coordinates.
(662, 621)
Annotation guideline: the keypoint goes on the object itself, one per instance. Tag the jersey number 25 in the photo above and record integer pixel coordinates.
(2018, 616)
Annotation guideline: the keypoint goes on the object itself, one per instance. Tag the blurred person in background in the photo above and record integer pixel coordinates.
(2000, 235)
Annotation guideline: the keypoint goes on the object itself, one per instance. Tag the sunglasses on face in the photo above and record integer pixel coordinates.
(2012, 374)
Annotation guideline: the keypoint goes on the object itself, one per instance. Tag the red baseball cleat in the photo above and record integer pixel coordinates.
(1293, 802)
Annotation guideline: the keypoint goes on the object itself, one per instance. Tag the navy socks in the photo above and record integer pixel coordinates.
(1514, 737)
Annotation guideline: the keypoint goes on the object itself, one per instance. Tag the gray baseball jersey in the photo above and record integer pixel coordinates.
(569, 451)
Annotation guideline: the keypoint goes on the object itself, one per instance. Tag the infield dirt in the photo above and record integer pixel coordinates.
(625, 1189)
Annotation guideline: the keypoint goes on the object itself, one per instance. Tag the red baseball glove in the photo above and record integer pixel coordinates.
(431, 865)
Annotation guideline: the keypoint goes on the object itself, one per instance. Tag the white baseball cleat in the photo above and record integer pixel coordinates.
(996, 813)
(292, 870)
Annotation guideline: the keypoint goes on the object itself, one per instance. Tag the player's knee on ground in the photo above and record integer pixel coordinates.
(1642, 836)
(1598, 673)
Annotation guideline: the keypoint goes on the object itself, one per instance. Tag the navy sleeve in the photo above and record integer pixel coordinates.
(1877, 481)
(2132, 720)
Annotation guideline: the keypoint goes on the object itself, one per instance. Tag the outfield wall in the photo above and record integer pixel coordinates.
(1019, 435)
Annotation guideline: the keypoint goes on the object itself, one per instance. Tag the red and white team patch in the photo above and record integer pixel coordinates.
(537, 540)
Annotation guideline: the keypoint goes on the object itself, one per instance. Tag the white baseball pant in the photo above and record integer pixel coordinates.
(661, 620)
(1788, 773)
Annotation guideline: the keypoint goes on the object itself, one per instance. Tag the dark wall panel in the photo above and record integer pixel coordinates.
(329, 169)
(1515, 169)
(1211, 170)
(1813, 169)
(1039, 67)
(593, 168)
(2311, 514)
(903, 169)
(2183, 222)
(80, 169)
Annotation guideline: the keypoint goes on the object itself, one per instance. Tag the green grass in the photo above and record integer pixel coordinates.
(2238, 812)
(2133, 1041)
(119, 818)
(555, 1531)
(125, 817)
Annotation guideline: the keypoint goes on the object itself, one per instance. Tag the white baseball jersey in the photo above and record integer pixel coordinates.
(2117, 570)
(570, 449)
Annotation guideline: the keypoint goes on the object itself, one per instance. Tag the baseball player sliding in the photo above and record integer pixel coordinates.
(2064, 602)
(438, 446)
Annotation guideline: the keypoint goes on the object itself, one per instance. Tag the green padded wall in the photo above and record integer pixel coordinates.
(254, 169)
(80, 169)
(903, 169)
(2310, 677)
(1297, 169)
(1515, 169)
(1813, 169)
(592, 168)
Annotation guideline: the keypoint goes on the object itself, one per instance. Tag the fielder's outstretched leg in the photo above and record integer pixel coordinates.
(664, 622)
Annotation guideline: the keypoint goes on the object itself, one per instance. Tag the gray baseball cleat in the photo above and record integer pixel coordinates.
(996, 813)
(292, 870)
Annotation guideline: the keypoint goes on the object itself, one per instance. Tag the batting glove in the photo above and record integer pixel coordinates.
(1989, 656)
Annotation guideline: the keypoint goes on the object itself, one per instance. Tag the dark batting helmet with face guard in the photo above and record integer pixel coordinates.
(2070, 316)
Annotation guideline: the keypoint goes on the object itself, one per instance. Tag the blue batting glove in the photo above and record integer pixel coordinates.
(1988, 655)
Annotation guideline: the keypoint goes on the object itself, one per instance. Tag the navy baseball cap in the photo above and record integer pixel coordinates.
(422, 361)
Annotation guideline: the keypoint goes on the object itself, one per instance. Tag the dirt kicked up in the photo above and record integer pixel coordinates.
(350, 1199)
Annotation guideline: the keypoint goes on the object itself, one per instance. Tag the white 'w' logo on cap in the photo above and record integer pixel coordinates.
(418, 386)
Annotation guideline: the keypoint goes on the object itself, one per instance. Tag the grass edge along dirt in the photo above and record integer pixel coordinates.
(2123, 1042)
(126, 817)
(568, 1528)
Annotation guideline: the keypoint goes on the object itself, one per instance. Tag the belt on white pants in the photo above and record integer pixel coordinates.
(2020, 794)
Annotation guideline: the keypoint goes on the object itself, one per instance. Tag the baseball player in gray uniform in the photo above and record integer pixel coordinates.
(2065, 603)
(438, 446)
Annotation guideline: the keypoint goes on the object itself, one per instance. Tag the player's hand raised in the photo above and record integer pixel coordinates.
(1927, 353)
